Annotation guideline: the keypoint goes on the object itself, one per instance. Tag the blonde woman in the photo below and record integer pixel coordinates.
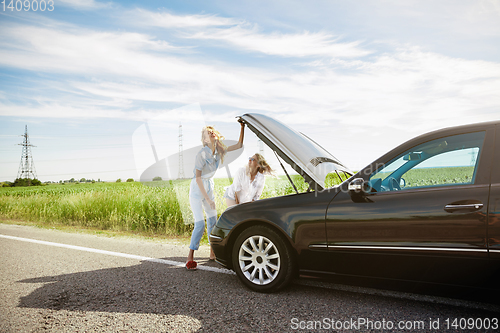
(201, 191)
(248, 182)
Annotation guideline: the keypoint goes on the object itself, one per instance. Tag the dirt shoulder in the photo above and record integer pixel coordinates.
(181, 240)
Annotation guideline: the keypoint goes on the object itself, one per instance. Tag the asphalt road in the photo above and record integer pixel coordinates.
(73, 282)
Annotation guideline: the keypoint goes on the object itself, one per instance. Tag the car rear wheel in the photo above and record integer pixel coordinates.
(262, 260)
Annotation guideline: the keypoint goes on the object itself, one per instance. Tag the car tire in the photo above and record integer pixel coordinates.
(262, 259)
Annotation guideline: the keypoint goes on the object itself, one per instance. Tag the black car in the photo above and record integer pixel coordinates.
(426, 212)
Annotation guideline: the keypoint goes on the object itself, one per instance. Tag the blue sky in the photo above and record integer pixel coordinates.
(359, 77)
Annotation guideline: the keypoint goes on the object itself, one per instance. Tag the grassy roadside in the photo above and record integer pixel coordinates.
(118, 207)
(183, 240)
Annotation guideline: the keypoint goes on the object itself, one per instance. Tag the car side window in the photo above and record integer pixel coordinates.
(446, 161)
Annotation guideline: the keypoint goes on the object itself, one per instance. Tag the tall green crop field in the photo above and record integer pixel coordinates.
(156, 207)
(108, 206)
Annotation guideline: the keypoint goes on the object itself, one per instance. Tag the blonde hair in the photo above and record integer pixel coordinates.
(264, 167)
(220, 147)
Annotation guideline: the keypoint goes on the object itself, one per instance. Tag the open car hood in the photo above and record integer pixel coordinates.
(304, 155)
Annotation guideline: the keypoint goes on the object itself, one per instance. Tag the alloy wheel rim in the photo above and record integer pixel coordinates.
(259, 260)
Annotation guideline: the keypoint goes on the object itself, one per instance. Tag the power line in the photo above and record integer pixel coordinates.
(261, 147)
(80, 159)
(91, 172)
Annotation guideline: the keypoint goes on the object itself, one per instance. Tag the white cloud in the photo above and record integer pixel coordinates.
(168, 20)
(464, 18)
(56, 110)
(406, 87)
(81, 4)
(237, 33)
(288, 45)
(83, 52)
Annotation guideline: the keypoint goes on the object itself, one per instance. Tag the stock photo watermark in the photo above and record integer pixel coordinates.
(362, 324)
(27, 5)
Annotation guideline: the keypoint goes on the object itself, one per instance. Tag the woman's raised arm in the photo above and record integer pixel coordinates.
(240, 141)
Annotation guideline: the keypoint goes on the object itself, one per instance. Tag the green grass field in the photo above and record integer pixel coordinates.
(156, 207)
(435, 176)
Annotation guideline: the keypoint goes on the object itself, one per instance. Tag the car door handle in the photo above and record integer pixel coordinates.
(469, 207)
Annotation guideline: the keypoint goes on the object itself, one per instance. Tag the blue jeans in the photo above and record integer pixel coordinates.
(197, 206)
(199, 228)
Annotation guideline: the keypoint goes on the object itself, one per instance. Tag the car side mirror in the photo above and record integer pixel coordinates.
(359, 185)
(358, 188)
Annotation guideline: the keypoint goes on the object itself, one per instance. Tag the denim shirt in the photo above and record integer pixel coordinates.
(208, 164)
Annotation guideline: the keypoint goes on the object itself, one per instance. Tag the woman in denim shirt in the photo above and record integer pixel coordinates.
(201, 191)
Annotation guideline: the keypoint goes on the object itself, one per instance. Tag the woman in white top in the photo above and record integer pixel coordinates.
(249, 181)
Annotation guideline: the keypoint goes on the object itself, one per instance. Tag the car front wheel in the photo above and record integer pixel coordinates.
(262, 260)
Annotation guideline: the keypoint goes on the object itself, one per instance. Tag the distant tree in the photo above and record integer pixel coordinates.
(22, 182)
(119, 180)
(72, 180)
(157, 178)
(83, 180)
(26, 182)
(130, 180)
(93, 181)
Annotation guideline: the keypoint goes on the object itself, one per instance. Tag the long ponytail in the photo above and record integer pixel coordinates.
(264, 167)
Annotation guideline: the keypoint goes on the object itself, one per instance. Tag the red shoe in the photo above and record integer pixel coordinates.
(191, 265)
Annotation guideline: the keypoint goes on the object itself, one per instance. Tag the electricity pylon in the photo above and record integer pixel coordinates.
(26, 167)
(181, 161)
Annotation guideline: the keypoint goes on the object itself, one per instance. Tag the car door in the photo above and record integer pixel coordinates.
(425, 218)
(494, 215)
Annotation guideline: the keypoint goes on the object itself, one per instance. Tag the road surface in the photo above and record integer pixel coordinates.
(66, 282)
